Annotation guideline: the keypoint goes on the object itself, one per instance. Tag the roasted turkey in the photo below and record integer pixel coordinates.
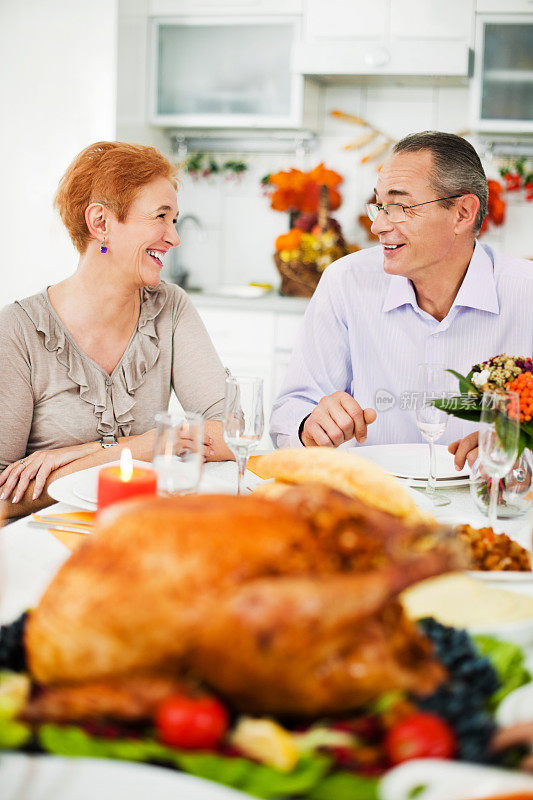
(285, 607)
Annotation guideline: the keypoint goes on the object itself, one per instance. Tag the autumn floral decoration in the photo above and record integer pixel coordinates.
(501, 372)
(314, 237)
(518, 176)
(496, 206)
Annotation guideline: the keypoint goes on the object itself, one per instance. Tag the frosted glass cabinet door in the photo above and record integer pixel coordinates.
(505, 88)
(224, 74)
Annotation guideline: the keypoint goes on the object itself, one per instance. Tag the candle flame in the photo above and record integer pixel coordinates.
(126, 465)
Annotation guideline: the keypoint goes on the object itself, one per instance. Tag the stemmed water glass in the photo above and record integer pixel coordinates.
(243, 419)
(431, 421)
(498, 440)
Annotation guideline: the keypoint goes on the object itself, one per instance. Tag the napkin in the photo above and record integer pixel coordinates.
(69, 539)
(254, 465)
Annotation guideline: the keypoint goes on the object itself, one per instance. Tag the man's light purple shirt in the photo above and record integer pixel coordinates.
(364, 333)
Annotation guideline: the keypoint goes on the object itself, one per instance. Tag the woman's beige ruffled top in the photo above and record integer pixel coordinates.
(53, 395)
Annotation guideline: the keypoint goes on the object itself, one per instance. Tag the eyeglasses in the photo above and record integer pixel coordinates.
(396, 211)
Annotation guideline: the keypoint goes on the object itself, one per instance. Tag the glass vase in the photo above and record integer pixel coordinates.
(515, 491)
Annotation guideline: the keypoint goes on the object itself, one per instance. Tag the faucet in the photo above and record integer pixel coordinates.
(178, 273)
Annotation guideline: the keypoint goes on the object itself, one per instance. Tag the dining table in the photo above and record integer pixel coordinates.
(30, 555)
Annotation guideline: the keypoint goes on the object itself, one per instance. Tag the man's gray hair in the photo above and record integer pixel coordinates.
(457, 167)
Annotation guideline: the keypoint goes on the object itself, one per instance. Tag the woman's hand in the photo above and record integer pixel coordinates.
(15, 479)
(143, 445)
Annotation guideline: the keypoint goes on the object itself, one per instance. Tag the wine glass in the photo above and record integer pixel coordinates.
(243, 419)
(178, 453)
(498, 439)
(431, 421)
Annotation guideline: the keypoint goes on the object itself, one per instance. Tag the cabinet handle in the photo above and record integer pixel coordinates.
(377, 58)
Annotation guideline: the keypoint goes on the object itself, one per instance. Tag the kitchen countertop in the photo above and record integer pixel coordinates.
(270, 302)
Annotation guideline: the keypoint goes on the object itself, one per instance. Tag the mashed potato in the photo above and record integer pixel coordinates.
(465, 602)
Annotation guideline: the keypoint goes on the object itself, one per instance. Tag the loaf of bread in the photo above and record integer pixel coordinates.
(341, 470)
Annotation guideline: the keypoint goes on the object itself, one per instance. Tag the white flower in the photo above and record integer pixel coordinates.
(479, 379)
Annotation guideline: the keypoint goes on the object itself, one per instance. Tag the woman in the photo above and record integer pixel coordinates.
(88, 362)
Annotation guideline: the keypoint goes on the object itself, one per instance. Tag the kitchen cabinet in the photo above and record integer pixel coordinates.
(214, 7)
(224, 72)
(503, 75)
(254, 341)
(387, 37)
(504, 6)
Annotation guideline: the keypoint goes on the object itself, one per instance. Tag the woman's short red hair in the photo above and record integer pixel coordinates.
(111, 173)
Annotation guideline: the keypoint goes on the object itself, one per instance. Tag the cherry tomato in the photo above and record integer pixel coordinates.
(195, 723)
(420, 735)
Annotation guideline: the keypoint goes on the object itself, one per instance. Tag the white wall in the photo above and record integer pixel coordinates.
(57, 95)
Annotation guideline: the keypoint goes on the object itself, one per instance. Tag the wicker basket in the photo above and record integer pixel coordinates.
(297, 279)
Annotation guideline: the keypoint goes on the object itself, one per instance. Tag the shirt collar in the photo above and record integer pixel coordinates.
(478, 289)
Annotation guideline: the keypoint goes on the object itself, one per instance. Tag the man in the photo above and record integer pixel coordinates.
(429, 293)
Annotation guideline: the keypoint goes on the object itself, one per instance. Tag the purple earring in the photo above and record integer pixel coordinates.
(103, 247)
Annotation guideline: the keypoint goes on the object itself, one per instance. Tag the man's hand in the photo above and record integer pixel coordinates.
(519, 734)
(464, 450)
(336, 419)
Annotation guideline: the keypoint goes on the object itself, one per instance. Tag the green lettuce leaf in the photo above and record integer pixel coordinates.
(508, 661)
(239, 773)
(13, 734)
(345, 786)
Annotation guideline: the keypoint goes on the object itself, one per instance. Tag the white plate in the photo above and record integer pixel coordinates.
(516, 707)
(450, 780)
(410, 463)
(79, 488)
(246, 292)
(25, 777)
(501, 576)
(86, 483)
(519, 633)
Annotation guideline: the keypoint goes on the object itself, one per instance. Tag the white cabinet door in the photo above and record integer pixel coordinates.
(214, 7)
(340, 19)
(503, 75)
(387, 37)
(247, 333)
(224, 72)
(504, 6)
(244, 341)
(432, 19)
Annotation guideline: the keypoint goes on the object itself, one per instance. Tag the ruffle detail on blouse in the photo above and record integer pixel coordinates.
(113, 405)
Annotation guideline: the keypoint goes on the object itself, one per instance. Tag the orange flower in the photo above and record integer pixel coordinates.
(300, 191)
(325, 177)
(293, 179)
(523, 386)
(284, 199)
(495, 187)
(290, 240)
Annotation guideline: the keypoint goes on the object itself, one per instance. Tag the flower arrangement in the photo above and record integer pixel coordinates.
(314, 239)
(518, 175)
(501, 372)
(204, 165)
(299, 192)
(496, 206)
(510, 373)
(318, 247)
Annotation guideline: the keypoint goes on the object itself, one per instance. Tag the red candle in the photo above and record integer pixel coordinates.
(120, 482)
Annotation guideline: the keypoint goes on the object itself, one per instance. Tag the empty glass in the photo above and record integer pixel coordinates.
(431, 421)
(498, 440)
(243, 419)
(178, 454)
